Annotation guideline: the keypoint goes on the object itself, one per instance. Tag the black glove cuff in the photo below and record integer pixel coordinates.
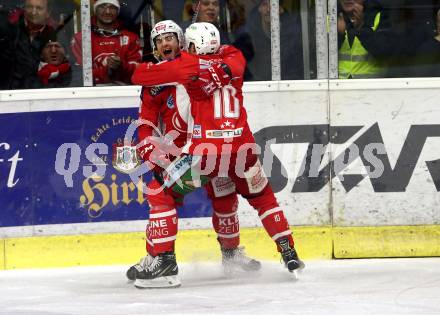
(226, 69)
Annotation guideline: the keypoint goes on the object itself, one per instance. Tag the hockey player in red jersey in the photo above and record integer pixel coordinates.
(115, 52)
(218, 126)
(164, 104)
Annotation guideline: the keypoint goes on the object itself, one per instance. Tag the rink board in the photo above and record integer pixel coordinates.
(2, 254)
(200, 245)
(386, 241)
(405, 122)
(126, 248)
(316, 135)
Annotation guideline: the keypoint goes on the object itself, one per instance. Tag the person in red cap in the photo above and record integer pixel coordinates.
(115, 51)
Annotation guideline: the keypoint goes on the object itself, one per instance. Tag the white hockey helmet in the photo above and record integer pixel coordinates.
(204, 36)
(167, 26)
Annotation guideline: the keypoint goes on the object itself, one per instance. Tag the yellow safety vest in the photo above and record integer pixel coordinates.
(356, 62)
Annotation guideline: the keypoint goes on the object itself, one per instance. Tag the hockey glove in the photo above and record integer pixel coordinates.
(156, 159)
(208, 80)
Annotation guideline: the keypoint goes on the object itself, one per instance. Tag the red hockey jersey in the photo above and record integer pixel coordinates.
(122, 43)
(160, 115)
(219, 119)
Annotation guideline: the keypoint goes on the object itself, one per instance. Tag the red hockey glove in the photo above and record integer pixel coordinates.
(158, 154)
(208, 80)
(160, 158)
(220, 73)
(156, 159)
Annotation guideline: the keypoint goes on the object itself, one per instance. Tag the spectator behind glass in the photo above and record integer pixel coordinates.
(258, 25)
(209, 11)
(428, 56)
(365, 40)
(54, 69)
(23, 33)
(115, 52)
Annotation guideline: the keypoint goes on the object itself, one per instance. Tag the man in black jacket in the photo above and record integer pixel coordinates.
(23, 34)
(54, 68)
(291, 54)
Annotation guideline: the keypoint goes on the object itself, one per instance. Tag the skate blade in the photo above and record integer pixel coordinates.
(296, 272)
(157, 283)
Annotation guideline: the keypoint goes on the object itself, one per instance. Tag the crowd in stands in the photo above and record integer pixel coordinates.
(378, 38)
(41, 40)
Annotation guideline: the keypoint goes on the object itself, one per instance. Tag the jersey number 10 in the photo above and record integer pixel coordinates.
(222, 103)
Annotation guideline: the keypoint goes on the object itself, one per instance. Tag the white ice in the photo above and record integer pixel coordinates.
(373, 286)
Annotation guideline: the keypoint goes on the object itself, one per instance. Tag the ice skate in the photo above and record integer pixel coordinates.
(289, 256)
(235, 260)
(137, 268)
(160, 273)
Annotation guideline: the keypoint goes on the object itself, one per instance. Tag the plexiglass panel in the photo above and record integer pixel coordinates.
(394, 38)
(35, 44)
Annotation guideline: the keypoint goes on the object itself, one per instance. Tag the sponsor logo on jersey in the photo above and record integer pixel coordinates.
(197, 131)
(155, 90)
(223, 186)
(227, 133)
(256, 178)
(170, 102)
(106, 43)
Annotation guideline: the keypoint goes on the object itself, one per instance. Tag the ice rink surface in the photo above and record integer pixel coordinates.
(373, 286)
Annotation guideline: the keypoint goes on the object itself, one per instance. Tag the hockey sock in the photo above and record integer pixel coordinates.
(162, 231)
(271, 215)
(227, 228)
